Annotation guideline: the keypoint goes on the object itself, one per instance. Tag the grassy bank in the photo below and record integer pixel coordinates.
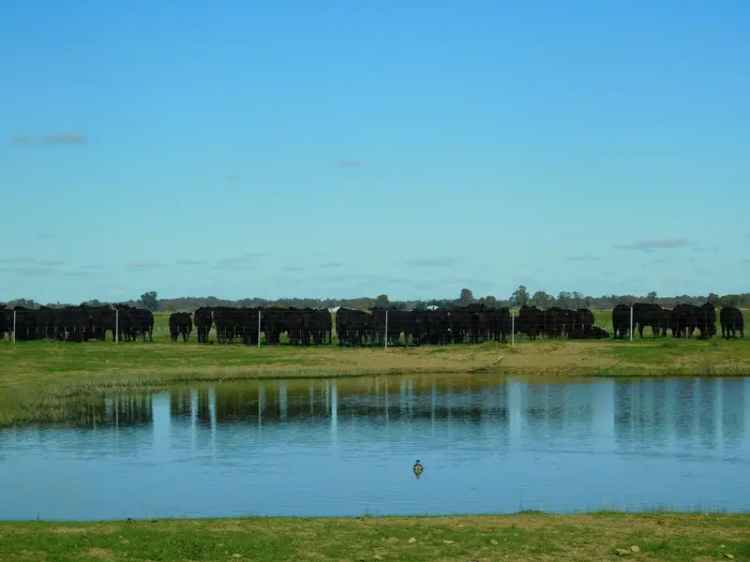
(532, 536)
(36, 376)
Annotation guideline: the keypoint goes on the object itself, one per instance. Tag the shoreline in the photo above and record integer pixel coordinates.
(37, 377)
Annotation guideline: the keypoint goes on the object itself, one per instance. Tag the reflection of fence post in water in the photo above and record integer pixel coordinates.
(283, 403)
(261, 403)
(334, 411)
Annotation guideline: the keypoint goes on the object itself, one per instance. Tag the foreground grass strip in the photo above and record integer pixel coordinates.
(528, 536)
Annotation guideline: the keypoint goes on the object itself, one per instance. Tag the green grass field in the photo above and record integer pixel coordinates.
(36, 377)
(526, 536)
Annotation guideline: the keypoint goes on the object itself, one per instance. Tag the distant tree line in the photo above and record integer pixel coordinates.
(520, 297)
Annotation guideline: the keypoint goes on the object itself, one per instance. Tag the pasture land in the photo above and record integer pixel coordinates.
(525, 536)
(36, 377)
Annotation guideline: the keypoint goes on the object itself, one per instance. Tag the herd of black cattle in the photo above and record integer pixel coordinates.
(471, 324)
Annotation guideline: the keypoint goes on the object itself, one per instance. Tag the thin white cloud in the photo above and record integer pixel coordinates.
(657, 244)
(584, 258)
(64, 138)
(30, 270)
(440, 261)
(20, 260)
(144, 265)
(242, 260)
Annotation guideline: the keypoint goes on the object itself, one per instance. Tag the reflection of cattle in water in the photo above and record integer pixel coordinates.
(180, 324)
(732, 322)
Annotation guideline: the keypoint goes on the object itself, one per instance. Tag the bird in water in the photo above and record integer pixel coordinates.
(418, 469)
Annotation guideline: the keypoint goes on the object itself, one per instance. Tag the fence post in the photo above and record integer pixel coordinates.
(117, 326)
(512, 328)
(631, 322)
(259, 327)
(386, 328)
(14, 326)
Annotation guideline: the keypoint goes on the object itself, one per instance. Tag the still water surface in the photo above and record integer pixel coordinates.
(346, 447)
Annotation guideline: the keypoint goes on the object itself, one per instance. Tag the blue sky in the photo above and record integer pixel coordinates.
(330, 149)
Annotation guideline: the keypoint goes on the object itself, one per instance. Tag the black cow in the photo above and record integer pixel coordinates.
(321, 326)
(431, 327)
(652, 316)
(584, 323)
(102, 320)
(530, 321)
(203, 320)
(135, 323)
(686, 318)
(275, 322)
(598, 333)
(621, 320)
(732, 322)
(558, 322)
(25, 323)
(707, 320)
(180, 324)
(399, 322)
(500, 324)
(352, 326)
(5, 321)
(228, 323)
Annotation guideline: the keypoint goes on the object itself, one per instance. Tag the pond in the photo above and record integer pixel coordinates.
(347, 446)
